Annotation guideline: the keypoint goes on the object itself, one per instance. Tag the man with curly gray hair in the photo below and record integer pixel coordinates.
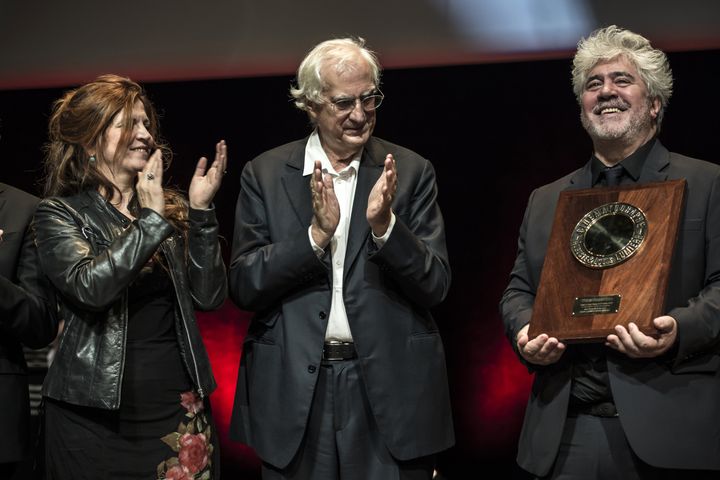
(339, 249)
(636, 406)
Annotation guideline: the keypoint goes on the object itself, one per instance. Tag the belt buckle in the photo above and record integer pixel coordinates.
(334, 354)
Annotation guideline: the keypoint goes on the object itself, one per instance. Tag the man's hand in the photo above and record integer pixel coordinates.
(541, 350)
(326, 209)
(381, 197)
(635, 344)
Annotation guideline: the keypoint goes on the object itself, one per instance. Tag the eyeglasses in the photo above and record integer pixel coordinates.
(368, 102)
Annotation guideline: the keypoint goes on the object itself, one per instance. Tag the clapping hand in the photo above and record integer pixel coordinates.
(149, 185)
(380, 200)
(206, 181)
(326, 209)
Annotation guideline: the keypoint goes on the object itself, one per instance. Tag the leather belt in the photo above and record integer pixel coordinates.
(336, 350)
(602, 409)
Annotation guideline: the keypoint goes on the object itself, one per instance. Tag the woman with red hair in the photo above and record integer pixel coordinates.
(130, 259)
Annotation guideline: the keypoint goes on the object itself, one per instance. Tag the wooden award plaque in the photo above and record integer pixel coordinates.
(607, 261)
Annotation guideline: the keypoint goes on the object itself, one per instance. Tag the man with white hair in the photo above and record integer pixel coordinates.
(638, 406)
(339, 249)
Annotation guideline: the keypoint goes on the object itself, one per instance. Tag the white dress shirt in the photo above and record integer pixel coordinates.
(344, 183)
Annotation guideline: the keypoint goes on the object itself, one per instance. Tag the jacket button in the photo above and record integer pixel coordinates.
(311, 368)
(322, 315)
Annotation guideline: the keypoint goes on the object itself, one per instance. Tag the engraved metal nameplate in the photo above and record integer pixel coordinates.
(596, 305)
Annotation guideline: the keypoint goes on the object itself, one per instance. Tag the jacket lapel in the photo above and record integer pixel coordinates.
(582, 178)
(297, 187)
(655, 167)
(370, 170)
(3, 196)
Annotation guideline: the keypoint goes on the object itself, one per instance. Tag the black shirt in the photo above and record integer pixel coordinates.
(590, 381)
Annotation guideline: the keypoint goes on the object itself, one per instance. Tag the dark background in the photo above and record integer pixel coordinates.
(494, 132)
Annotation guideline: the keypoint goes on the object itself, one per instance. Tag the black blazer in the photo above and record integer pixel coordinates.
(669, 406)
(275, 273)
(24, 318)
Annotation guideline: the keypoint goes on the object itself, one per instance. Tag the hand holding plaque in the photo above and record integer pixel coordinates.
(607, 261)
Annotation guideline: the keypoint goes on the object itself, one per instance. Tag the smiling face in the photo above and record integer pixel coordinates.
(343, 134)
(120, 163)
(616, 106)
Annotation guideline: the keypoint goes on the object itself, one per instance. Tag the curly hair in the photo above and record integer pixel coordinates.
(611, 42)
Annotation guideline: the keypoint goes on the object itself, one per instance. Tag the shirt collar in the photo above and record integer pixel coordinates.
(633, 164)
(314, 151)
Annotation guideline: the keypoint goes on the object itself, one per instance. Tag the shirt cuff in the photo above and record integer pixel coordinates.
(319, 251)
(380, 241)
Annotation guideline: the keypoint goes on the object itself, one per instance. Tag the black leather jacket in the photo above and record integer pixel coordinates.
(91, 253)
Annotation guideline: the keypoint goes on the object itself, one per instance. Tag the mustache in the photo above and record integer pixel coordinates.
(614, 103)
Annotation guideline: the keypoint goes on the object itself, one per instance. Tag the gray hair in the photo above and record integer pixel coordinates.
(341, 53)
(611, 42)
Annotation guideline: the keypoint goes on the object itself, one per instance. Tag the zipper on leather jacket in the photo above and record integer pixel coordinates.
(182, 316)
(124, 348)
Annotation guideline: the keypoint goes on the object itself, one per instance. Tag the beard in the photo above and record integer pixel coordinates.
(634, 126)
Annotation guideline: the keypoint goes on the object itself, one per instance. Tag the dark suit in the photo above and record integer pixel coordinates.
(669, 407)
(387, 293)
(24, 319)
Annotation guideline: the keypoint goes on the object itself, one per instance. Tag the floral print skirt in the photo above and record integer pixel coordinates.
(90, 443)
(162, 430)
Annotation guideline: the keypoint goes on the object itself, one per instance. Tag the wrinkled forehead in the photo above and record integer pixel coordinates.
(343, 73)
(617, 64)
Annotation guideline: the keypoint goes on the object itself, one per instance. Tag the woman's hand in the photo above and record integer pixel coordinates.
(205, 184)
(149, 185)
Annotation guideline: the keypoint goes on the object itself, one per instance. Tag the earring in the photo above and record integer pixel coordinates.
(92, 159)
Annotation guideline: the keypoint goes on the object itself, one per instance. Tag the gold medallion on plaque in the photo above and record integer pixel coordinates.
(608, 235)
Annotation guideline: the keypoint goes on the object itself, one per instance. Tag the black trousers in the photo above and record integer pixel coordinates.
(342, 441)
(595, 448)
(19, 470)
